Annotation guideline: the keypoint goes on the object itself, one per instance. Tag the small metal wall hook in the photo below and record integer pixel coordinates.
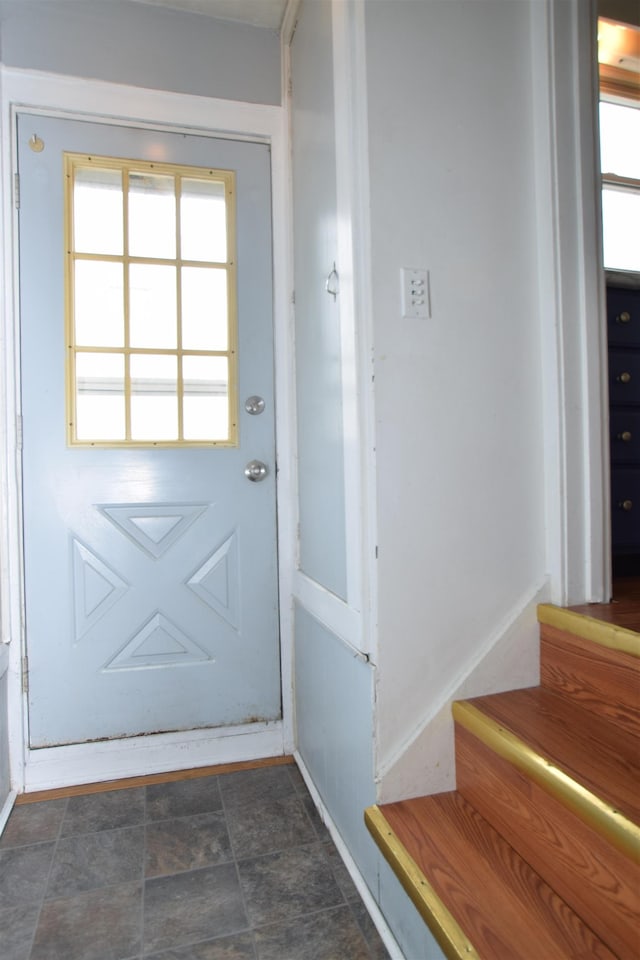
(331, 286)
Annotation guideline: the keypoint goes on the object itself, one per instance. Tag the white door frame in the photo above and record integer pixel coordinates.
(40, 93)
(571, 279)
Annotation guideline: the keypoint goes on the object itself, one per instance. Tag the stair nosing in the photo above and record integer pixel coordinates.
(445, 928)
(590, 628)
(623, 833)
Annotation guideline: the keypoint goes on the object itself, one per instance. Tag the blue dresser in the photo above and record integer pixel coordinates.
(623, 323)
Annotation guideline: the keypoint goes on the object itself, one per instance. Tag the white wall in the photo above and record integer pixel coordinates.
(142, 45)
(459, 439)
(463, 163)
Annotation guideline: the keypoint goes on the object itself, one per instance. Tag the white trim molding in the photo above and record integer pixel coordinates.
(341, 619)
(571, 282)
(81, 763)
(356, 315)
(56, 95)
(5, 810)
(353, 620)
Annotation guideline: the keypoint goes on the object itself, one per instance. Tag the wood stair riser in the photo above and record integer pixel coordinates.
(581, 759)
(600, 679)
(597, 880)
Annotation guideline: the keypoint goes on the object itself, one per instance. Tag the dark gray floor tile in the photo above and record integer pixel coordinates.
(265, 783)
(17, 926)
(23, 873)
(340, 872)
(238, 947)
(297, 779)
(264, 826)
(378, 950)
(184, 798)
(104, 811)
(92, 860)
(316, 820)
(189, 907)
(329, 935)
(33, 823)
(187, 843)
(287, 884)
(307, 801)
(376, 945)
(102, 924)
(297, 891)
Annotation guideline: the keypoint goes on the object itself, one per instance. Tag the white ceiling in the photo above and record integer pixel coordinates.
(259, 13)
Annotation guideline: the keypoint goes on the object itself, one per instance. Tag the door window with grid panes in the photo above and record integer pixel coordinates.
(151, 303)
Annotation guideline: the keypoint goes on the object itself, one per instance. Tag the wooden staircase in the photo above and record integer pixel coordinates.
(535, 856)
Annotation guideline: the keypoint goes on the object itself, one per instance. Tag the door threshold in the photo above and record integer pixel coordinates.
(108, 761)
(104, 786)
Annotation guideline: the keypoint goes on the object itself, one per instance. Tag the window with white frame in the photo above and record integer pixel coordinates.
(620, 165)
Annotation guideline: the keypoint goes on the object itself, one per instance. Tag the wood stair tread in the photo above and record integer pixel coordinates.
(535, 856)
(623, 613)
(590, 751)
(594, 626)
(444, 852)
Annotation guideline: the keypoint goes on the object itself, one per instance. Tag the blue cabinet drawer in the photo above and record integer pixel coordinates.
(624, 429)
(623, 317)
(624, 377)
(625, 507)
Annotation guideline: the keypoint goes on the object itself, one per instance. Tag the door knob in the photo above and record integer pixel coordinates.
(254, 406)
(256, 471)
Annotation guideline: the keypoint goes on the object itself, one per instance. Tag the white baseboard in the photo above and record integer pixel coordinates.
(81, 763)
(373, 909)
(7, 807)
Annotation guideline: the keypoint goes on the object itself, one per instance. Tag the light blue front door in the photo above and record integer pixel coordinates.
(150, 571)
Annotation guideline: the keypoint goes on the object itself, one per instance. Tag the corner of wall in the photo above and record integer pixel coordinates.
(508, 660)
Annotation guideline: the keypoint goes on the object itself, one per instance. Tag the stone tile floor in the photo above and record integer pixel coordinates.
(236, 866)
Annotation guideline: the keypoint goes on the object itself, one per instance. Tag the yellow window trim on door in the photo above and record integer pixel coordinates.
(226, 178)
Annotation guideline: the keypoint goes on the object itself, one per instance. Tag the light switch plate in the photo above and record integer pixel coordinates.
(415, 298)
